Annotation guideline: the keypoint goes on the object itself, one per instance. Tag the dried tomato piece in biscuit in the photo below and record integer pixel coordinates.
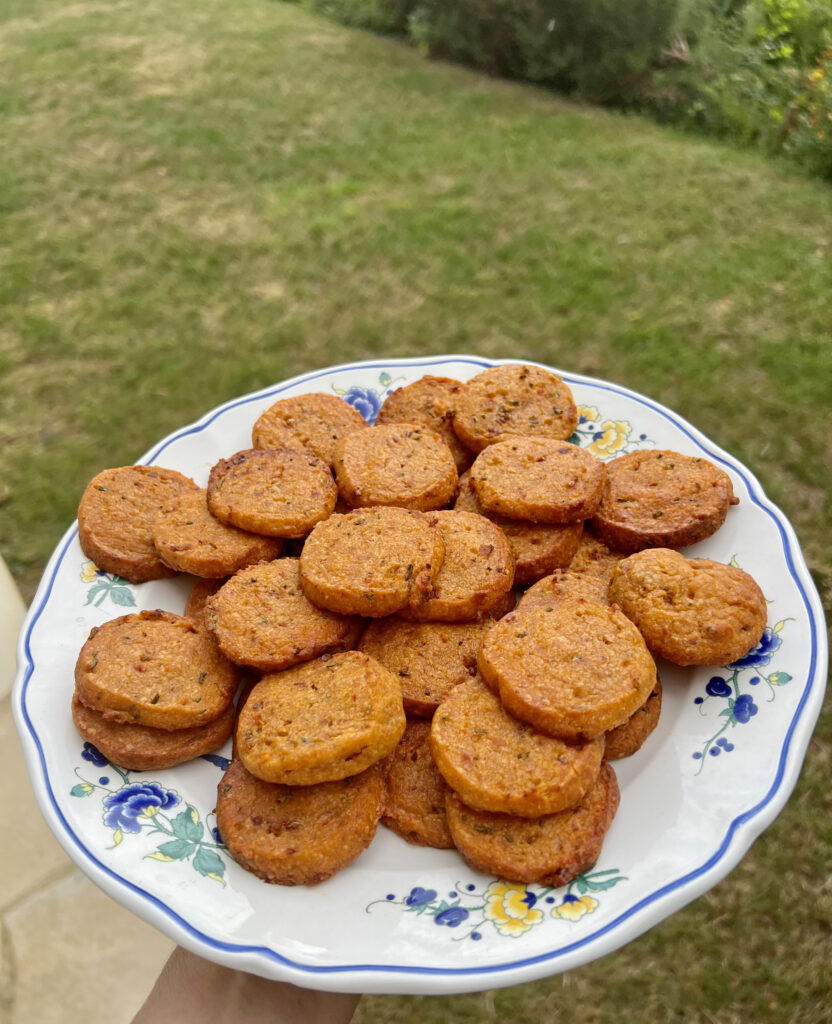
(314, 422)
(593, 558)
(572, 669)
(157, 669)
(692, 611)
(550, 851)
(514, 401)
(629, 737)
(278, 492)
(561, 585)
(261, 618)
(297, 835)
(497, 763)
(539, 480)
(372, 562)
(428, 658)
(538, 548)
(430, 401)
(414, 804)
(190, 539)
(476, 574)
(401, 464)
(320, 721)
(115, 516)
(661, 499)
(142, 748)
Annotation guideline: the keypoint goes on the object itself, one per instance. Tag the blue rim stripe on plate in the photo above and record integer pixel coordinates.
(676, 884)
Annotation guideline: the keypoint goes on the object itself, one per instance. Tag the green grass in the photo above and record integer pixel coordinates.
(199, 200)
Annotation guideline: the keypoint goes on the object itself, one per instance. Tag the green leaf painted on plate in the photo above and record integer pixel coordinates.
(209, 864)
(186, 825)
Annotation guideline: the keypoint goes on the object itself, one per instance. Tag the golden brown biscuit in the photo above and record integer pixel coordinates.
(476, 573)
(692, 611)
(277, 492)
(496, 763)
(572, 669)
(538, 548)
(593, 558)
(430, 401)
(156, 669)
(320, 721)
(414, 804)
(141, 748)
(512, 401)
(261, 618)
(560, 585)
(539, 480)
(401, 464)
(629, 737)
(189, 539)
(371, 562)
(297, 835)
(661, 499)
(198, 598)
(428, 658)
(550, 851)
(115, 515)
(313, 422)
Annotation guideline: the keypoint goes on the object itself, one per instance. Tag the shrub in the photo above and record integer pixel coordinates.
(602, 49)
(389, 16)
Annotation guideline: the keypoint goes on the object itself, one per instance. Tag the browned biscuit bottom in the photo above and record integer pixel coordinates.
(141, 748)
(629, 737)
(550, 851)
(414, 804)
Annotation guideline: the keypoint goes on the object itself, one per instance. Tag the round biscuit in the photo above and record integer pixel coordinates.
(297, 835)
(405, 465)
(692, 611)
(512, 401)
(535, 479)
(320, 721)
(115, 516)
(279, 492)
(573, 669)
(661, 499)
(315, 423)
(414, 802)
(157, 669)
(371, 562)
(430, 401)
(190, 539)
(627, 738)
(497, 763)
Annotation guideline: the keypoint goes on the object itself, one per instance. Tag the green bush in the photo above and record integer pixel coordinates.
(602, 49)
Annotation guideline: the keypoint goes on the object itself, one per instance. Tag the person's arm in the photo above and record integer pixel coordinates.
(192, 989)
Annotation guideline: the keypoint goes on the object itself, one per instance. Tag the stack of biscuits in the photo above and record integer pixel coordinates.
(431, 639)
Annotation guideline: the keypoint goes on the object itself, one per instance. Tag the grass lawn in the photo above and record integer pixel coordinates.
(197, 200)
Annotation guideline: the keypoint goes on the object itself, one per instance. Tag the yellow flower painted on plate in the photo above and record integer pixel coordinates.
(573, 908)
(589, 413)
(89, 571)
(615, 435)
(511, 907)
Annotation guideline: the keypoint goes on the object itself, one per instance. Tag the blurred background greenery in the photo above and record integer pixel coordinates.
(201, 199)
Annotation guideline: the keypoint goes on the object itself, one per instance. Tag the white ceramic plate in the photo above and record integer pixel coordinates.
(402, 918)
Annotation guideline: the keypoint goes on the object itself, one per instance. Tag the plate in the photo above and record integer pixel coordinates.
(404, 919)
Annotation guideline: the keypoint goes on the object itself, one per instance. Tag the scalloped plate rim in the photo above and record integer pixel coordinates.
(400, 978)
